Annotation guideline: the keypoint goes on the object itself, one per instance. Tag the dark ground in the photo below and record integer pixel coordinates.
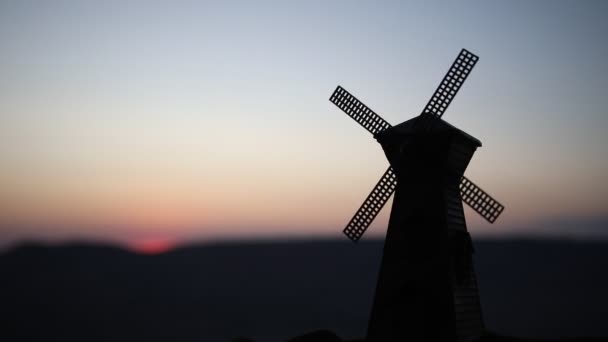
(273, 291)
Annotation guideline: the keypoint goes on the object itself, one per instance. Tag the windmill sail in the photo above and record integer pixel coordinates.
(484, 204)
(451, 83)
(371, 206)
(358, 111)
(448, 88)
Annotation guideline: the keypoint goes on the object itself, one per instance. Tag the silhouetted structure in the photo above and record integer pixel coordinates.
(426, 290)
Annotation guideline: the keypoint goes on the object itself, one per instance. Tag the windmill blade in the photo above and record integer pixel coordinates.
(358, 111)
(449, 86)
(484, 204)
(372, 206)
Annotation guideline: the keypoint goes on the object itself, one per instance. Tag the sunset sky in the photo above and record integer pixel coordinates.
(156, 122)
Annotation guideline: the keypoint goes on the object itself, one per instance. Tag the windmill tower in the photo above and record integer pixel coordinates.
(426, 290)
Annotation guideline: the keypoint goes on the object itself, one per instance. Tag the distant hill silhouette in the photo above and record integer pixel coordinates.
(273, 291)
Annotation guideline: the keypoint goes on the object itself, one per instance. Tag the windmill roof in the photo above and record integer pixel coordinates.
(441, 125)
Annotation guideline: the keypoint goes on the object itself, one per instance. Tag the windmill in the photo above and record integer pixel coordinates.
(426, 289)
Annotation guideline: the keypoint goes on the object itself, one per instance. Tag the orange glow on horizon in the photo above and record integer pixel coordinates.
(152, 246)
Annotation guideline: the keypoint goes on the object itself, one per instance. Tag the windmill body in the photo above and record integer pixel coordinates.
(426, 265)
(426, 288)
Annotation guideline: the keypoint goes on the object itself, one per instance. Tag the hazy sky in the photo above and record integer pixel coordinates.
(141, 121)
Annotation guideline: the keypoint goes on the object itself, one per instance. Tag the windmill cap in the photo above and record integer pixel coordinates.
(409, 128)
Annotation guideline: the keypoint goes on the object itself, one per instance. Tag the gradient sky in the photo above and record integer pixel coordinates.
(138, 122)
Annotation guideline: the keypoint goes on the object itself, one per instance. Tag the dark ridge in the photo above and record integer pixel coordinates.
(69, 247)
(273, 290)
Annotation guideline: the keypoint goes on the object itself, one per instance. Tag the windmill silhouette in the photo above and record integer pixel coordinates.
(426, 290)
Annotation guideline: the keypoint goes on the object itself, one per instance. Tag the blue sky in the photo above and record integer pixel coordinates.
(198, 120)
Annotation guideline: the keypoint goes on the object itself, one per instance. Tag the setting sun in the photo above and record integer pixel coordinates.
(151, 246)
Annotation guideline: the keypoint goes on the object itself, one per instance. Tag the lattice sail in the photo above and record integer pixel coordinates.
(484, 204)
(372, 206)
(451, 83)
(358, 111)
